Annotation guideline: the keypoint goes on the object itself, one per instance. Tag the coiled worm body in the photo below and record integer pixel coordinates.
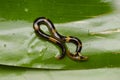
(59, 39)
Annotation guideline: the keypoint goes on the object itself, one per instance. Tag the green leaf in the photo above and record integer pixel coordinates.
(57, 10)
(100, 37)
(19, 46)
(14, 73)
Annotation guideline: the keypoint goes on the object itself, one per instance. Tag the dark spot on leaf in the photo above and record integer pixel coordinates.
(5, 45)
(13, 33)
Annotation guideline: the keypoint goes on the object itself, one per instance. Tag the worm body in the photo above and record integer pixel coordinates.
(59, 39)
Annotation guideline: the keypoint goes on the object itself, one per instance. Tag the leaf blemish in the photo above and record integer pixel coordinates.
(4, 45)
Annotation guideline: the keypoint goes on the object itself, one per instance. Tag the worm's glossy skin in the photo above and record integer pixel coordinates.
(58, 39)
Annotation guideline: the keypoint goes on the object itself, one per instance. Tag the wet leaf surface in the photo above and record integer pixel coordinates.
(95, 22)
